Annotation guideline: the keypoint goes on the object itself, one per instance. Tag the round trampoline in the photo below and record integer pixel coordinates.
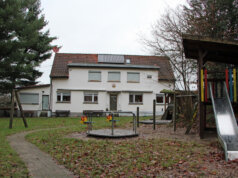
(113, 132)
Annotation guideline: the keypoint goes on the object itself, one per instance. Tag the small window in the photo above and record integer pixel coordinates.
(29, 98)
(149, 76)
(94, 76)
(133, 77)
(128, 61)
(90, 98)
(114, 76)
(135, 98)
(63, 96)
(160, 98)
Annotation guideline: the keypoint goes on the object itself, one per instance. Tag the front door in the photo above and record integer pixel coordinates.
(45, 102)
(113, 102)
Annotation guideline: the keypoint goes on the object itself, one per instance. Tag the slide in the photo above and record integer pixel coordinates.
(227, 129)
(168, 113)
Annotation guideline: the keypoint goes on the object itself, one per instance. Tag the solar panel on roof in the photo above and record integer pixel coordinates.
(109, 58)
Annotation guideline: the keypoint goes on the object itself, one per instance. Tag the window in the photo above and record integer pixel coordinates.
(90, 98)
(133, 77)
(135, 98)
(29, 98)
(63, 96)
(160, 98)
(114, 76)
(94, 76)
(149, 76)
(128, 61)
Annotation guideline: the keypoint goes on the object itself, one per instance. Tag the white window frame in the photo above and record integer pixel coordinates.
(93, 94)
(117, 72)
(160, 94)
(92, 71)
(61, 93)
(133, 81)
(134, 96)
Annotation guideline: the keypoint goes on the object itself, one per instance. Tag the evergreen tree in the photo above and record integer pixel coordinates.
(213, 18)
(23, 43)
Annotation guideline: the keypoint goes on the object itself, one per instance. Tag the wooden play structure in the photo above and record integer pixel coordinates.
(205, 49)
(220, 92)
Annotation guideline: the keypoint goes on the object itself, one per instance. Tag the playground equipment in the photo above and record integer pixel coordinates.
(227, 129)
(155, 121)
(231, 77)
(111, 133)
(168, 113)
(222, 94)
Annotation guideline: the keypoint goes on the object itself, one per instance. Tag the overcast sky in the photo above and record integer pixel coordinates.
(101, 26)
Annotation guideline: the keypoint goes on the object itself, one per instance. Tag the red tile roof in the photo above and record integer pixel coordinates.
(61, 60)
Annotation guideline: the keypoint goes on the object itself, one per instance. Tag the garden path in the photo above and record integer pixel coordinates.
(39, 163)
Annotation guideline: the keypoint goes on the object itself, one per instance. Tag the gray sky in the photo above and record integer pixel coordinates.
(100, 26)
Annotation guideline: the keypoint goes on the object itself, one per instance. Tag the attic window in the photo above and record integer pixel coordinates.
(128, 61)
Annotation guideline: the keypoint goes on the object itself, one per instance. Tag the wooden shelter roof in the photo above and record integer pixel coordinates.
(215, 50)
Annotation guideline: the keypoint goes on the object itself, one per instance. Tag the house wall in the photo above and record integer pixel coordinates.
(35, 107)
(78, 83)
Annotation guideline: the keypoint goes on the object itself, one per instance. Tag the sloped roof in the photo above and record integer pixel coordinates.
(61, 61)
(217, 50)
(34, 86)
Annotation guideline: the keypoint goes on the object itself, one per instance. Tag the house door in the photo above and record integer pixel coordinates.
(45, 102)
(113, 102)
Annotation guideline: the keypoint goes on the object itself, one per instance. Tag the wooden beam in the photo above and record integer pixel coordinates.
(154, 113)
(174, 112)
(201, 118)
(165, 101)
(138, 116)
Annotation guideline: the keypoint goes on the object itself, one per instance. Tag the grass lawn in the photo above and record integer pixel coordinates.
(10, 163)
(108, 158)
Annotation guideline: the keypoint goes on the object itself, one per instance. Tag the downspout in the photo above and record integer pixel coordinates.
(51, 93)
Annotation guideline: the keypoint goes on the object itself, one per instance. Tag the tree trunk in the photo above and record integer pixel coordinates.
(12, 109)
(21, 110)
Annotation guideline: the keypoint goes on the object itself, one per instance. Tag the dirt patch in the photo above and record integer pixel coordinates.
(162, 131)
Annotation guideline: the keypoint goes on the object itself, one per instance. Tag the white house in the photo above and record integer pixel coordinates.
(35, 99)
(82, 82)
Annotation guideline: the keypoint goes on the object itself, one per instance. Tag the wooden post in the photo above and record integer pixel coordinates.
(165, 101)
(205, 83)
(12, 109)
(138, 116)
(227, 80)
(21, 110)
(154, 111)
(201, 55)
(234, 80)
(174, 112)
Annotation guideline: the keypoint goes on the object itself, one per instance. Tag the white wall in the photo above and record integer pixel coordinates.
(41, 91)
(78, 82)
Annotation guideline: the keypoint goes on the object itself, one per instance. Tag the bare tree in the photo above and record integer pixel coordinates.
(167, 41)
